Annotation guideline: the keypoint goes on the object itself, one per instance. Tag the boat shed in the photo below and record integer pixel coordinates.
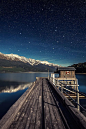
(66, 72)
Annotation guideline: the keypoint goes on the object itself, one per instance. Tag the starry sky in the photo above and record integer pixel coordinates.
(51, 30)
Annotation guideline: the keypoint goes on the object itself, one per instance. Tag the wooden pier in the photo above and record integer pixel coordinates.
(43, 106)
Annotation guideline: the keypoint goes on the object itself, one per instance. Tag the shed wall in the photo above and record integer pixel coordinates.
(67, 74)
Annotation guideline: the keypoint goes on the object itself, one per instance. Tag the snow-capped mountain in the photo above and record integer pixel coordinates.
(16, 63)
(33, 62)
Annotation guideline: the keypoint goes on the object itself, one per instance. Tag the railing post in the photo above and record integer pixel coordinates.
(78, 100)
(61, 89)
(48, 73)
(58, 84)
(53, 78)
(78, 107)
(55, 82)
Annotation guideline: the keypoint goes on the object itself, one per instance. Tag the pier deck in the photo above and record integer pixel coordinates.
(43, 107)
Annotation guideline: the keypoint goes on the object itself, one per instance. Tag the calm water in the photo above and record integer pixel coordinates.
(13, 85)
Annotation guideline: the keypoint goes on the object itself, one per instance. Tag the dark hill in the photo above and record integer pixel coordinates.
(80, 67)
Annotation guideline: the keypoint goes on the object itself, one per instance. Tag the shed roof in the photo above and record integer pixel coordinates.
(66, 69)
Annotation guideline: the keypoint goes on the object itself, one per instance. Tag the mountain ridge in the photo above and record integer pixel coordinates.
(26, 60)
(14, 63)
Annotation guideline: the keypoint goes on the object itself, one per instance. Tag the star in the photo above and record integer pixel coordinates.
(42, 29)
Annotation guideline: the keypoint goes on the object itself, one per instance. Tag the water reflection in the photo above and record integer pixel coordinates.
(12, 89)
(9, 93)
(7, 100)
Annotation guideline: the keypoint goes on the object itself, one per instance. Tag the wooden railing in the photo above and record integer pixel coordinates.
(64, 88)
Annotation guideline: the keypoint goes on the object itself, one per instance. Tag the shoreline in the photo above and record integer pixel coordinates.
(26, 72)
(80, 73)
(36, 72)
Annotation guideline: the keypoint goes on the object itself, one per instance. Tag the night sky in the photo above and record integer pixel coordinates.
(51, 30)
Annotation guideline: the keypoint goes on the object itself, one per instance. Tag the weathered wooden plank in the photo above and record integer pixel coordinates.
(30, 110)
(47, 115)
(34, 114)
(57, 112)
(31, 119)
(55, 116)
(38, 124)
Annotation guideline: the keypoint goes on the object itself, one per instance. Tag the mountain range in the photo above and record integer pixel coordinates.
(16, 63)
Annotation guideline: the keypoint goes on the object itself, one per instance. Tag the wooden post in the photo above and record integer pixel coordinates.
(75, 87)
(55, 82)
(61, 89)
(53, 78)
(48, 73)
(58, 83)
(78, 107)
(78, 99)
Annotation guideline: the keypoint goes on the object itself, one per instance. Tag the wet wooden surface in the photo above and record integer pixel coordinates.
(42, 108)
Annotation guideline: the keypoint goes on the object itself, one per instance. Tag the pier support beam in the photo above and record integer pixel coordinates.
(78, 107)
(48, 74)
(78, 100)
(53, 78)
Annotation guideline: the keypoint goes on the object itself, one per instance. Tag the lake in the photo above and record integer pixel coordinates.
(13, 85)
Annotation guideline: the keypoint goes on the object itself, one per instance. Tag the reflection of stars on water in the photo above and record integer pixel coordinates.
(20, 33)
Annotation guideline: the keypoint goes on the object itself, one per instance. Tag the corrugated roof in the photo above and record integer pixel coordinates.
(66, 69)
